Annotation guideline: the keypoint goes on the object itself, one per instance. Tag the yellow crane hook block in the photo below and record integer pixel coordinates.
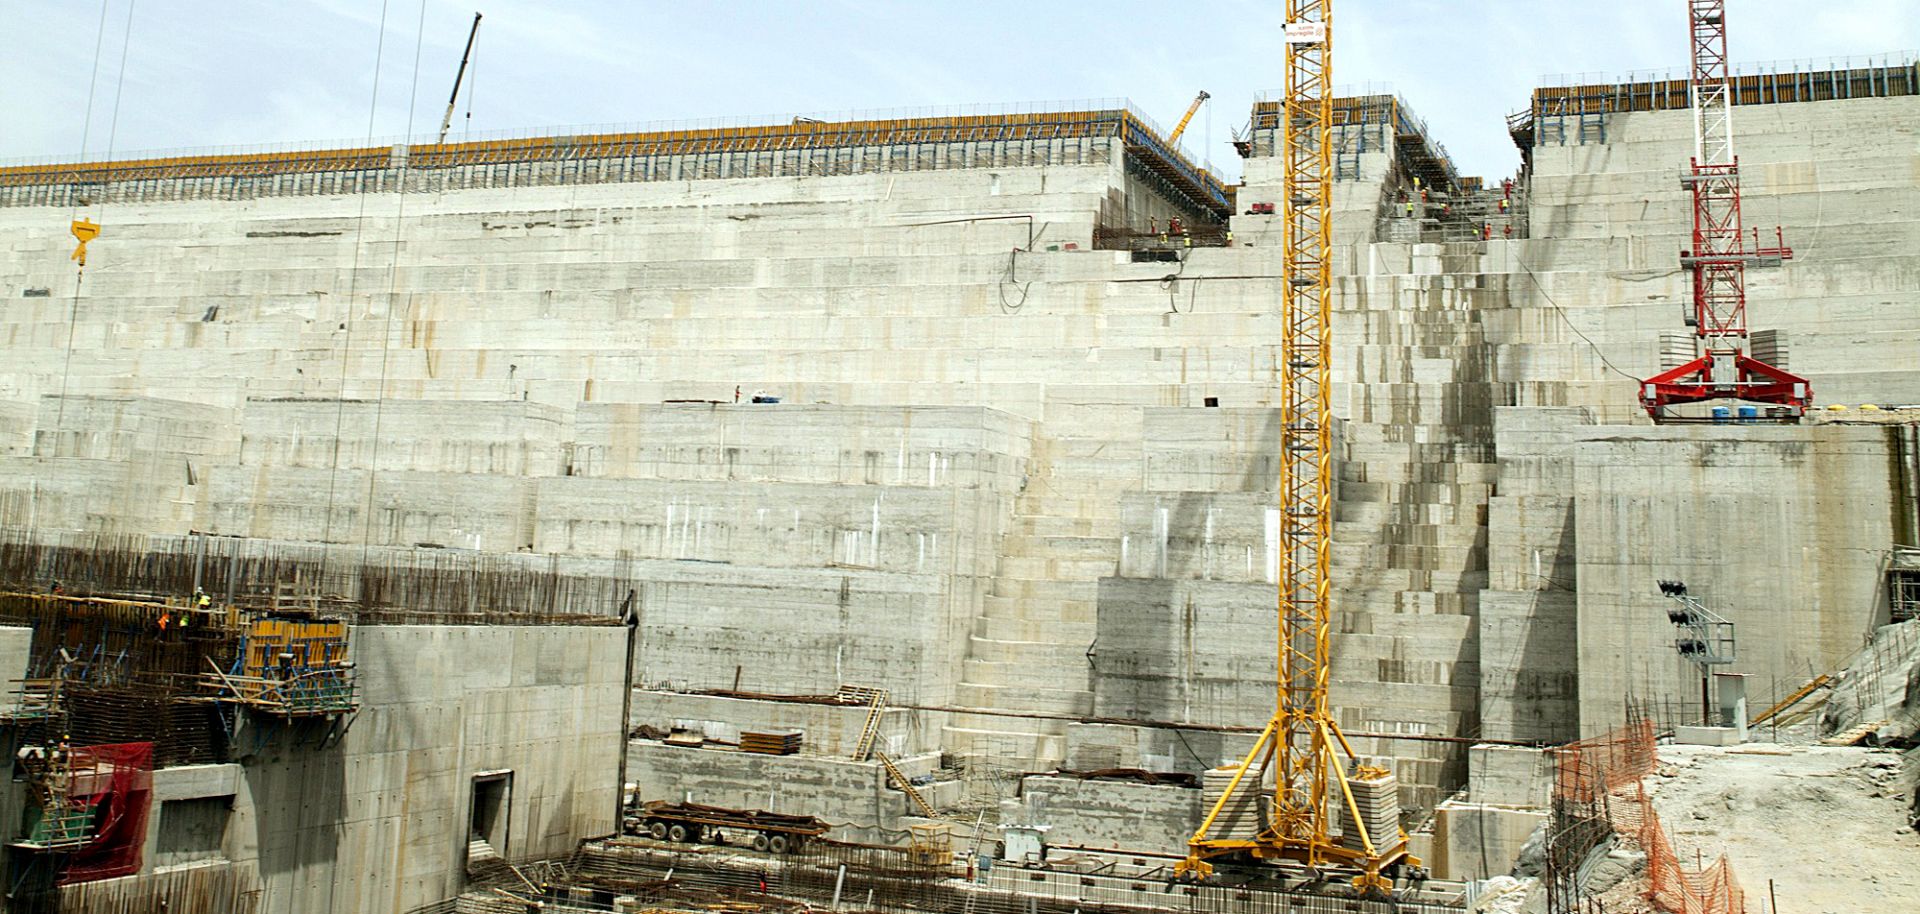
(86, 230)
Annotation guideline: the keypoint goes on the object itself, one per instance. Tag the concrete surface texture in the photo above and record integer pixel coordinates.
(991, 483)
(381, 821)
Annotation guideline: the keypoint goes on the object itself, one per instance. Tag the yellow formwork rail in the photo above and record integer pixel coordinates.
(772, 137)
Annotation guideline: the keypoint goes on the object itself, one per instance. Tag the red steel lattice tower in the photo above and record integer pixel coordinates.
(1718, 255)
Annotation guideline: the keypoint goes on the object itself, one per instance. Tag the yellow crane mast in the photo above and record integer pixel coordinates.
(1312, 766)
(1187, 118)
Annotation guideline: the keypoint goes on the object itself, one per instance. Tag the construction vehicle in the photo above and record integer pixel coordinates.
(447, 119)
(1724, 366)
(682, 823)
(1312, 766)
(1185, 119)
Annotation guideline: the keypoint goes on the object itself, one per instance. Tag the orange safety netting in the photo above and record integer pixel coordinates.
(1606, 775)
(117, 782)
(1588, 770)
(1711, 889)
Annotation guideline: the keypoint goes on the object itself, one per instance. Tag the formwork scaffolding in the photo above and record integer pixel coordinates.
(1576, 114)
(86, 812)
(802, 147)
(1363, 124)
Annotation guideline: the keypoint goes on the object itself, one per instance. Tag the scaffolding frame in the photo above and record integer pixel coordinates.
(816, 147)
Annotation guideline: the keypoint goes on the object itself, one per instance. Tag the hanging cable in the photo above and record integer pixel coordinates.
(83, 232)
(393, 291)
(1009, 278)
(1170, 283)
(1571, 325)
(353, 277)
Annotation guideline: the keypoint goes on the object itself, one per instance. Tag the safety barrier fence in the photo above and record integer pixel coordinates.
(1710, 889)
(1600, 785)
(1588, 770)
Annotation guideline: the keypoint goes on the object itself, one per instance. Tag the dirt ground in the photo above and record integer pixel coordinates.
(1828, 825)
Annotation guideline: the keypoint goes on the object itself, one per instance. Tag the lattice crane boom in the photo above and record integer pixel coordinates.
(1301, 747)
(1718, 253)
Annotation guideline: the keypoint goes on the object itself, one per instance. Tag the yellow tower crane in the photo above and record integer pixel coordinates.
(1313, 769)
(1187, 118)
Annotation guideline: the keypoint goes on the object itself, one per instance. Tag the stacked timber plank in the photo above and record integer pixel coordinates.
(784, 742)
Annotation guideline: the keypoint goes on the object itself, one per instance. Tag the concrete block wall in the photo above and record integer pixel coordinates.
(524, 341)
(1529, 666)
(1610, 218)
(493, 438)
(393, 508)
(849, 794)
(800, 631)
(1414, 474)
(1114, 815)
(379, 822)
(1783, 530)
(117, 464)
(831, 730)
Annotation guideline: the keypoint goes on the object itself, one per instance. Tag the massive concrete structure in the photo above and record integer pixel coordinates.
(473, 732)
(904, 405)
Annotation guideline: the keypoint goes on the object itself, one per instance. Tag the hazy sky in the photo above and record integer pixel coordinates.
(200, 73)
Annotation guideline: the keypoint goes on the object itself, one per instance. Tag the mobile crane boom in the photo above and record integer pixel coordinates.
(1181, 127)
(447, 120)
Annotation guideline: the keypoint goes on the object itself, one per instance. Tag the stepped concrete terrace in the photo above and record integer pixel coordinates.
(882, 411)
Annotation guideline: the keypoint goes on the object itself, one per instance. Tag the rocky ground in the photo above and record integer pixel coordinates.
(1829, 826)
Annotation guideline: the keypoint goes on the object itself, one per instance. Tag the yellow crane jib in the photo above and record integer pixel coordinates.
(85, 230)
(1181, 127)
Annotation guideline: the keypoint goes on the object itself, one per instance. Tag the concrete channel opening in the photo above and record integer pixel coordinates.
(489, 814)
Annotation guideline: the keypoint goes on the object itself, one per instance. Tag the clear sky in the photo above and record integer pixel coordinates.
(200, 73)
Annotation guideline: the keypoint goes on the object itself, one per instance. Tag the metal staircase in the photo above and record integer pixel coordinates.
(876, 700)
(899, 778)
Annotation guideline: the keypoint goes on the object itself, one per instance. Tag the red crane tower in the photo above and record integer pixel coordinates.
(1719, 254)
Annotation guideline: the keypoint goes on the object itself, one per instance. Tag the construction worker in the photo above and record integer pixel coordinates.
(1409, 209)
(1486, 232)
(1503, 206)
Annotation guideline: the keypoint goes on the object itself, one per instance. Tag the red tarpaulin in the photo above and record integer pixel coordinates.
(117, 781)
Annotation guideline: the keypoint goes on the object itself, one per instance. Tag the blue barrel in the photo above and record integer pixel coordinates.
(1722, 415)
(1749, 414)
